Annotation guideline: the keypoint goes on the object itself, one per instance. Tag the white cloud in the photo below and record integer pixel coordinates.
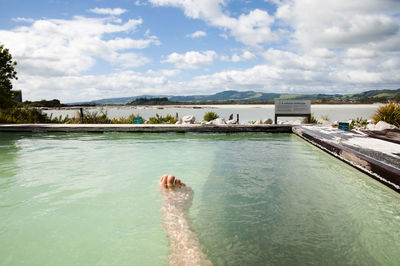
(108, 11)
(126, 60)
(341, 23)
(191, 59)
(89, 87)
(56, 47)
(225, 36)
(140, 3)
(245, 56)
(128, 43)
(283, 71)
(164, 72)
(19, 19)
(251, 29)
(197, 34)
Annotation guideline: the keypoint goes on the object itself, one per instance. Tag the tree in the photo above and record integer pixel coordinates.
(7, 74)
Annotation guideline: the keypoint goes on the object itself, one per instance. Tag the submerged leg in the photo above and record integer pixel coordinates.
(184, 246)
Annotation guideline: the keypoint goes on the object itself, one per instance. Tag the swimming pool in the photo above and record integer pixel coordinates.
(259, 199)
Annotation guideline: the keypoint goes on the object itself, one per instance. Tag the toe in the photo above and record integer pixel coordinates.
(163, 180)
(170, 181)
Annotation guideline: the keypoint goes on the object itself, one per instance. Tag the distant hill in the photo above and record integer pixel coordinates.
(227, 96)
(232, 96)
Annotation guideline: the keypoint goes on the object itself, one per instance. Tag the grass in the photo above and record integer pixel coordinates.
(313, 120)
(123, 120)
(325, 117)
(158, 119)
(358, 122)
(209, 116)
(389, 113)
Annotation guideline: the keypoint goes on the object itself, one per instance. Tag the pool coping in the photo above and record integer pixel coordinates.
(145, 128)
(355, 155)
(373, 164)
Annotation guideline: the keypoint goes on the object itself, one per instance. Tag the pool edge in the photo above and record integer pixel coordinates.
(388, 175)
(143, 128)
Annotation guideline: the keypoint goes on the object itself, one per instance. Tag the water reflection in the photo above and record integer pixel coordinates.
(9, 152)
(284, 202)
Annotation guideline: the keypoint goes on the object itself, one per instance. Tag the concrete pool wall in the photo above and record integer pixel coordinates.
(377, 158)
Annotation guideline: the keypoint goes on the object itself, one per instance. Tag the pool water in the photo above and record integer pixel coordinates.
(259, 199)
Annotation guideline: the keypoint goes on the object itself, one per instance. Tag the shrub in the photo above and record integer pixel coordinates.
(358, 122)
(158, 119)
(123, 120)
(389, 113)
(209, 116)
(60, 119)
(22, 116)
(325, 117)
(96, 117)
(313, 120)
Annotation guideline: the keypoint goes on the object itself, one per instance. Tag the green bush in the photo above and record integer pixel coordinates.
(209, 116)
(29, 115)
(358, 122)
(22, 116)
(123, 120)
(60, 120)
(96, 117)
(389, 113)
(158, 119)
(313, 120)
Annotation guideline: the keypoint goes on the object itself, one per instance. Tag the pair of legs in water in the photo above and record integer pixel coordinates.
(184, 245)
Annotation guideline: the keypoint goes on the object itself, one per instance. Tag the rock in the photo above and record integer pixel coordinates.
(370, 121)
(231, 122)
(382, 125)
(218, 121)
(188, 119)
(335, 123)
(258, 122)
(268, 121)
(178, 122)
(324, 122)
(371, 127)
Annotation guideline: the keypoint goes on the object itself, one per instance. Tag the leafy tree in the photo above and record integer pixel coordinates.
(7, 73)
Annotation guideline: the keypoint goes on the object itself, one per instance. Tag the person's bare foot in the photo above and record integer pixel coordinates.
(169, 181)
(185, 248)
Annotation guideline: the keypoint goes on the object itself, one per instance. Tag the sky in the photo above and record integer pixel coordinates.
(75, 50)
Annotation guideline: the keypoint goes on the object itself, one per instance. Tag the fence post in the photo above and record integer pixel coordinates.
(81, 111)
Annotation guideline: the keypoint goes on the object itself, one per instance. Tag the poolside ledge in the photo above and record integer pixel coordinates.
(378, 158)
(149, 128)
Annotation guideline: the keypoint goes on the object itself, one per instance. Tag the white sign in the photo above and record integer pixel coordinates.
(289, 107)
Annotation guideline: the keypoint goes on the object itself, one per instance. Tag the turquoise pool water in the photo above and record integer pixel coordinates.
(259, 199)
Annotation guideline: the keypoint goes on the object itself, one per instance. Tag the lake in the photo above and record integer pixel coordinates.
(246, 112)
